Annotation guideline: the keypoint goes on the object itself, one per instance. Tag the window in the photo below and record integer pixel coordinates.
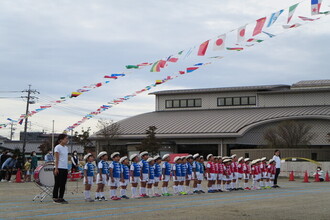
(314, 156)
(169, 104)
(176, 103)
(183, 103)
(237, 101)
(246, 155)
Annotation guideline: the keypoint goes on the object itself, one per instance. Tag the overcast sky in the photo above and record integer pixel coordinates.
(60, 46)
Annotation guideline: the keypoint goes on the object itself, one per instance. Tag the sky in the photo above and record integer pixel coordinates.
(61, 46)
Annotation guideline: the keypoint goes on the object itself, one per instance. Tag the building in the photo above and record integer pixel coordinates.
(230, 120)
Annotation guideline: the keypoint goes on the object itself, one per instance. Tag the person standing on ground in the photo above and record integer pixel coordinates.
(277, 159)
(49, 157)
(61, 168)
(34, 161)
(75, 162)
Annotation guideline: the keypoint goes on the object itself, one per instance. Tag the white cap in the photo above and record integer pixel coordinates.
(246, 159)
(225, 157)
(226, 160)
(240, 159)
(253, 162)
(101, 154)
(150, 159)
(257, 160)
(165, 156)
(157, 157)
(87, 155)
(132, 156)
(122, 159)
(263, 158)
(143, 153)
(208, 156)
(195, 156)
(234, 155)
(176, 159)
(114, 154)
(270, 161)
(189, 156)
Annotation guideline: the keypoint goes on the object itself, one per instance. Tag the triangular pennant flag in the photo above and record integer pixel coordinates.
(202, 48)
(132, 67)
(308, 19)
(274, 17)
(235, 48)
(269, 34)
(254, 40)
(155, 67)
(219, 43)
(191, 69)
(291, 26)
(259, 26)
(162, 63)
(315, 6)
(241, 33)
(291, 11)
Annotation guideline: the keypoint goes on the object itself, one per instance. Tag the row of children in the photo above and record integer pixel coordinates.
(222, 174)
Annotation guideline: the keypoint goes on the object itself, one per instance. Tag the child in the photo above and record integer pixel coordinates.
(234, 172)
(263, 172)
(144, 173)
(202, 174)
(211, 174)
(89, 177)
(255, 174)
(176, 170)
(272, 172)
(102, 176)
(227, 174)
(189, 159)
(267, 175)
(27, 168)
(158, 172)
(320, 172)
(184, 168)
(116, 175)
(216, 168)
(125, 179)
(196, 172)
(151, 179)
(166, 172)
(240, 172)
(220, 174)
(135, 173)
(247, 172)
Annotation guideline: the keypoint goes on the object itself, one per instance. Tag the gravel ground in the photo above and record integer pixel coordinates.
(294, 200)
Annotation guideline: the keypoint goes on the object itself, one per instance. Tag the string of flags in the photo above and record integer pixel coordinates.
(219, 44)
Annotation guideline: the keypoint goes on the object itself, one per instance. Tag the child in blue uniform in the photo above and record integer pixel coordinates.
(135, 173)
(177, 174)
(189, 159)
(166, 173)
(184, 168)
(158, 172)
(89, 177)
(102, 176)
(196, 172)
(201, 176)
(151, 179)
(144, 173)
(116, 175)
(125, 180)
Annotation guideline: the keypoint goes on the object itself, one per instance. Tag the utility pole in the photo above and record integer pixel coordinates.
(11, 130)
(30, 100)
(53, 137)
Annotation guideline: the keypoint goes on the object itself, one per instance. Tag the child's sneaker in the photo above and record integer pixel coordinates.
(247, 188)
(103, 198)
(125, 197)
(169, 194)
(157, 195)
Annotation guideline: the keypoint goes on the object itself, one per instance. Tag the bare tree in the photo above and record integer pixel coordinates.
(83, 140)
(150, 142)
(45, 147)
(108, 129)
(289, 134)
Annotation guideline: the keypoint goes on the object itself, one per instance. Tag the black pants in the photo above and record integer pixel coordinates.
(278, 170)
(60, 181)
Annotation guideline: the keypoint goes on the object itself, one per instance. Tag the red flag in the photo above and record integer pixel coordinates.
(162, 63)
(259, 26)
(202, 48)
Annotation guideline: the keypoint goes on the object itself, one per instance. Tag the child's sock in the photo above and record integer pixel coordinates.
(133, 191)
(86, 194)
(122, 192)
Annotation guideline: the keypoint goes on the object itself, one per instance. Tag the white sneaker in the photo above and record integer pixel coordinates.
(3, 181)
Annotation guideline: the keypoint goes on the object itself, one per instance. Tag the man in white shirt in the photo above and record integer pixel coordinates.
(277, 159)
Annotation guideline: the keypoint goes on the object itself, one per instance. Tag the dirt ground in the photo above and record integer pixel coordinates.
(294, 200)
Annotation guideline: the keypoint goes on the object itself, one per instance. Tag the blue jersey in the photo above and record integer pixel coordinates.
(167, 168)
(178, 169)
(151, 172)
(201, 166)
(116, 169)
(89, 167)
(125, 171)
(189, 168)
(144, 166)
(196, 166)
(104, 166)
(136, 168)
(183, 169)
(158, 170)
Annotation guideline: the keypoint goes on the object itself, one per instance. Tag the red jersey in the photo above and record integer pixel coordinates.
(216, 167)
(240, 168)
(210, 166)
(246, 168)
(221, 168)
(228, 170)
(258, 170)
(263, 167)
(234, 167)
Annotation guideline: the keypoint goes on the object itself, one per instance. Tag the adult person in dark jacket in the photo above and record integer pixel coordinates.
(75, 162)
(4, 156)
(7, 167)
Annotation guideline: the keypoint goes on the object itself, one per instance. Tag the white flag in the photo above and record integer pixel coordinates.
(241, 34)
(219, 43)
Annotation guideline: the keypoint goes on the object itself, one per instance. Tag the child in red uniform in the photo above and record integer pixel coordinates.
(263, 172)
(210, 173)
(234, 172)
(247, 172)
(220, 174)
(240, 172)
(228, 174)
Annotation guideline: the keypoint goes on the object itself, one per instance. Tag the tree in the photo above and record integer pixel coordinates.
(150, 143)
(83, 139)
(45, 147)
(289, 134)
(108, 129)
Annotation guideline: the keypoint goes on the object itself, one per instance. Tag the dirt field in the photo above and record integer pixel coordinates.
(294, 200)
